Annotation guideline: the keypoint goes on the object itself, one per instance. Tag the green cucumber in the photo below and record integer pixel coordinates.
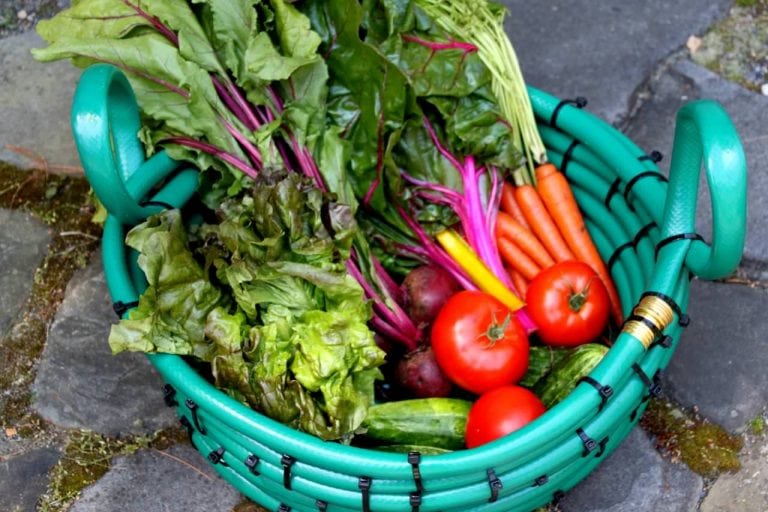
(435, 422)
(408, 448)
(566, 374)
(541, 360)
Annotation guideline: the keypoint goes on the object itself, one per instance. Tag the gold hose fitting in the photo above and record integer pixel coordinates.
(649, 318)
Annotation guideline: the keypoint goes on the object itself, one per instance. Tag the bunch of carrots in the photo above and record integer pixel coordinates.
(540, 225)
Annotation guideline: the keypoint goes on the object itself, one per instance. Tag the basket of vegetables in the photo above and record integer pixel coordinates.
(375, 270)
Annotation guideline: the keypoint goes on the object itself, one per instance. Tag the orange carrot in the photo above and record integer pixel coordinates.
(541, 222)
(557, 196)
(516, 258)
(519, 282)
(510, 206)
(508, 227)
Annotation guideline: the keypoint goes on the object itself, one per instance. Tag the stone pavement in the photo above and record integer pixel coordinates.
(630, 60)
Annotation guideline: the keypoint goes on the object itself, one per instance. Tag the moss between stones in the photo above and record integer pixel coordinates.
(88, 456)
(704, 447)
(62, 203)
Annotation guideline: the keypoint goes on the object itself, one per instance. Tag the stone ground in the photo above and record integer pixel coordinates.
(91, 414)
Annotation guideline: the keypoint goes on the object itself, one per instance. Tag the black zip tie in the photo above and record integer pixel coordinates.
(364, 484)
(634, 414)
(602, 447)
(251, 461)
(567, 156)
(579, 102)
(654, 156)
(322, 506)
(589, 443)
(665, 341)
(120, 308)
(287, 461)
(683, 319)
(612, 192)
(161, 204)
(495, 484)
(557, 497)
(645, 321)
(415, 501)
(605, 392)
(637, 177)
(189, 428)
(675, 238)
(169, 396)
(283, 508)
(193, 407)
(217, 456)
(653, 385)
(631, 244)
(414, 459)
(543, 479)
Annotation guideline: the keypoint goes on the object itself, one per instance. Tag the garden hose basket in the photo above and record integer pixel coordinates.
(642, 222)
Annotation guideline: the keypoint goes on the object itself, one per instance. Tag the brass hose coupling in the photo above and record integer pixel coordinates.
(649, 318)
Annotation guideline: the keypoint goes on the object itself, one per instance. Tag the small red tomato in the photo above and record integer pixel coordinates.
(499, 412)
(478, 342)
(568, 303)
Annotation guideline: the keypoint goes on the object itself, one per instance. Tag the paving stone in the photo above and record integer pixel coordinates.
(602, 50)
(149, 480)
(719, 364)
(35, 102)
(23, 243)
(635, 477)
(80, 384)
(653, 128)
(746, 490)
(24, 478)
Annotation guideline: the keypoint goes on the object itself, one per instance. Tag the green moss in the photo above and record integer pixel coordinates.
(62, 203)
(757, 426)
(704, 447)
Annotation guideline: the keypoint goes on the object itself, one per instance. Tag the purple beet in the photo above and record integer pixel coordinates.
(426, 289)
(419, 374)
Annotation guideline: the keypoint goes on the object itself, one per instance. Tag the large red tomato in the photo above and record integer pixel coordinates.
(499, 412)
(568, 303)
(478, 342)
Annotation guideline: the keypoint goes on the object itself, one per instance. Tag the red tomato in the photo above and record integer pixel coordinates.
(499, 412)
(478, 342)
(568, 303)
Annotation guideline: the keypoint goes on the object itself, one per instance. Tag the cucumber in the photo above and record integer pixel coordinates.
(566, 374)
(408, 448)
(541, 360)
(434, 422)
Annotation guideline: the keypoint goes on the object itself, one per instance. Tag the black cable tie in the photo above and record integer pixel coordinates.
(579, 102)
(605, 392)
(654, 156)
(414, 459)
(161, 204)
(612, 191)
(495, 484)
(283, 508)
(633, 415)
(217, 456)
(169, 396)
(557, 497)
(415, 501)
(189, 428)
(364, 484)
(287, 461)
(120, 308)
(251, 461)
(543, 479)
(664, 341)
(630, 244)
(647, 323)
(683, 320)
(321, 505)
(567, 156)
(675, 238)
(602, 445)
(653, 385)
(637, 177)
(193, 408)
(589, 444)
